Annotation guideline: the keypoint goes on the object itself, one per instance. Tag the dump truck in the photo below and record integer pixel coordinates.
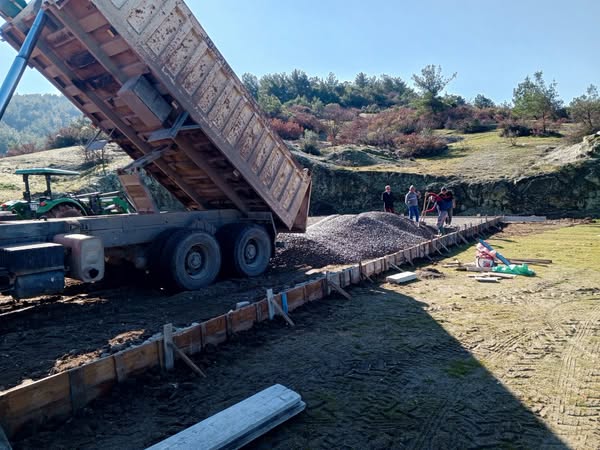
(147, 74)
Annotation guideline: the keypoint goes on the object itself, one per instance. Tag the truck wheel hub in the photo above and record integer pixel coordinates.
(250, 252)
(195, 261)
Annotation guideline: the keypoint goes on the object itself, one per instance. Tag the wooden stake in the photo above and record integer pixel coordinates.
(285, 316)
(363, 275)
(270, 303)
(187, 360)
(507, 276)
(168, 346)
(395, 267)
(530, 260)
(477, 269)
(336, 287)
(487, 279)
(463, 239)
(442, 244)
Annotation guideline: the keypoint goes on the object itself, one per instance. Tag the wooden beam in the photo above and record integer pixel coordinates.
(90, 44)
(187, 360)
(129, 132)
(168, 347)
(336, 287)
(462, 238)
(215, 177)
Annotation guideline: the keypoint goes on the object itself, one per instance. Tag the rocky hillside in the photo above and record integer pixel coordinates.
(566, 181)
(569, 185)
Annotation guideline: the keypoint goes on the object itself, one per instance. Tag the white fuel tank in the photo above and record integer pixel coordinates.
(85, 261)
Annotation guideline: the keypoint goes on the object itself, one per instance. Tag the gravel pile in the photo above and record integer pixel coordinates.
(349, 239)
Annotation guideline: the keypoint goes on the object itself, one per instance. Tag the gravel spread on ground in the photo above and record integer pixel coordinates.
(348, 239)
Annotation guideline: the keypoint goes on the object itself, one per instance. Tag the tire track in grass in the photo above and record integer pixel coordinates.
(571, 381)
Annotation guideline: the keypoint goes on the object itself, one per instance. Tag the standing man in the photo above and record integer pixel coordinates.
(444, 204)
(412, 202)
(450, 197)
(388, 200)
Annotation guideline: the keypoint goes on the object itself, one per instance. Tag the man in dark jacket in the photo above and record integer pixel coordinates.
(388, 200)
(449, 197)
(444, 204)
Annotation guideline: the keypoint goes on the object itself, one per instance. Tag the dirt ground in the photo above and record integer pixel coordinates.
(48, 335)
(443, 362)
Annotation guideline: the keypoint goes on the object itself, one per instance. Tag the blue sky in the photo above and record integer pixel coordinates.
(491, 45)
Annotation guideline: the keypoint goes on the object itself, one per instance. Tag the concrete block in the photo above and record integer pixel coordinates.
(402, 277)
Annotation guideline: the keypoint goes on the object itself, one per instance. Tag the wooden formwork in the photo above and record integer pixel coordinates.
(63, 394)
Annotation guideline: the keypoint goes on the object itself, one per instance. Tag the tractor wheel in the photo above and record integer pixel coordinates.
(61, 211)
(192, 259)
(247, 249)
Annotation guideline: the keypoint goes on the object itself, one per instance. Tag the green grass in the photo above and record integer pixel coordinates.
(480, 156)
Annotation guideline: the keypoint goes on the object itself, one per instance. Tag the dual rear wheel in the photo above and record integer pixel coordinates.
(192, 259)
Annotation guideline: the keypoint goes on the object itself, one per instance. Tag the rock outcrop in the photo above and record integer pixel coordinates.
(571, 189)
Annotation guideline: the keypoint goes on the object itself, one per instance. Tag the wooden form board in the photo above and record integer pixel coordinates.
(60, 395)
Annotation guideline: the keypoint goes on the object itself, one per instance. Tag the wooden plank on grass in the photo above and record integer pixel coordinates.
(487, 279)
(239, 424)
(402, 277)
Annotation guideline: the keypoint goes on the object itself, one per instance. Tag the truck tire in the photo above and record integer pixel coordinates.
(192, 259)
(246, 248)
(154, 254)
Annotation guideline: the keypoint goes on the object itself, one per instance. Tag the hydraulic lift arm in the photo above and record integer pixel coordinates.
(18, 67)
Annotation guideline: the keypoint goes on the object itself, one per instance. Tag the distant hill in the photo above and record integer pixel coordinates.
(30, 118)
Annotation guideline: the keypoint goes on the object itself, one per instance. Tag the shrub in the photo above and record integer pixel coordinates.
(355, 132)
(306, 119)
(510, 129)
(24, 149)
(380, 130)
(420, 145)
(78, 132)
(310, 143)
(287, 130)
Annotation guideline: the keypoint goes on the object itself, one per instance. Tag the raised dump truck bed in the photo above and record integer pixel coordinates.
(146, 72)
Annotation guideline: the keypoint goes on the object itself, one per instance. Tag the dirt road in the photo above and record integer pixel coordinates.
(440, 363)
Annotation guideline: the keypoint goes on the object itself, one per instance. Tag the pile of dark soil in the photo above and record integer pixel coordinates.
(349, 239)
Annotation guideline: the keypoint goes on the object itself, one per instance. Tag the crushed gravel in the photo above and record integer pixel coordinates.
(348, 239)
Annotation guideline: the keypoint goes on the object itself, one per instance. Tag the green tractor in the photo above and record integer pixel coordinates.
(46, 206)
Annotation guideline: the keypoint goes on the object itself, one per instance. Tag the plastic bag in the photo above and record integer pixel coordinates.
(515, 270)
